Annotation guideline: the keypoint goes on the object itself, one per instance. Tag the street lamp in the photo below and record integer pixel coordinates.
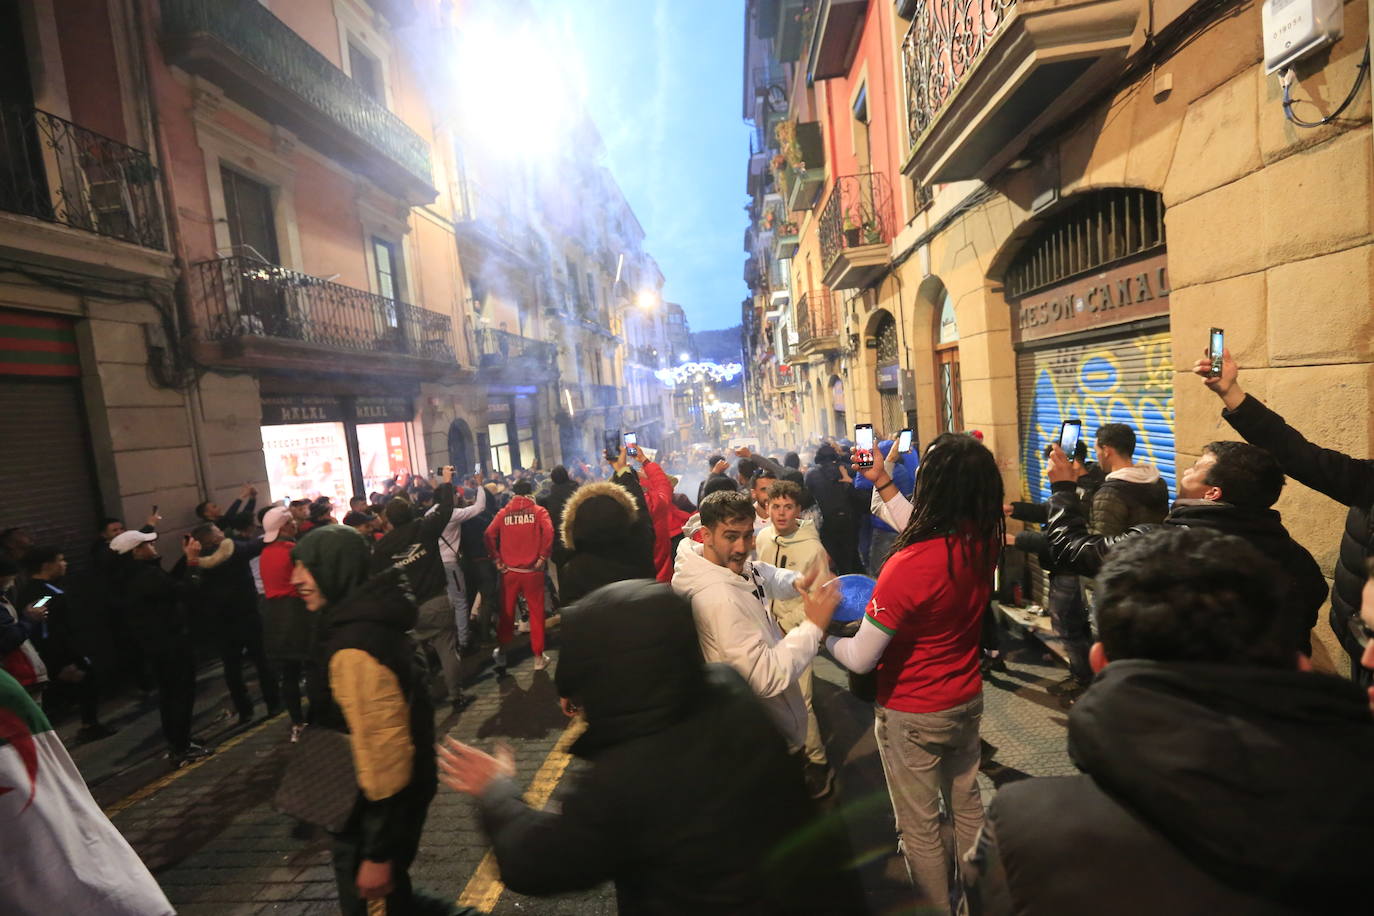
(646, 300)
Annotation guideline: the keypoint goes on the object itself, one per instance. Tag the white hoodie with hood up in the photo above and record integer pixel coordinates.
(735, 628)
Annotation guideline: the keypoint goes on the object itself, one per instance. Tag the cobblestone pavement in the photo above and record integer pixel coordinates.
(213, 841)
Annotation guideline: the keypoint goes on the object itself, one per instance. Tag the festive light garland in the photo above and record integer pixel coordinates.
(698, 371)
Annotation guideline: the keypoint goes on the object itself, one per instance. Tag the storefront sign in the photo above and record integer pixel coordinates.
(1127, 292)
(887, 376)
(383, 409)
(498, 411)
(279, 409)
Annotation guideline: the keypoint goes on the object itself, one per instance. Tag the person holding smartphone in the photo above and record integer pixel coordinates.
(1346, 479)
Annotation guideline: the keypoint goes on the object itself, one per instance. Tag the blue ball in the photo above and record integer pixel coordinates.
(855, 593)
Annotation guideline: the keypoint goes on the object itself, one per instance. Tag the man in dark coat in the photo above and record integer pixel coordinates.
(690, 803)
(1349, 481)
(1201, 743)
(833, 492)
(561, 489)
(598, 538)
(1229, 489)
(229, 597)
(156, 615)
(376, 693)
(413, 545)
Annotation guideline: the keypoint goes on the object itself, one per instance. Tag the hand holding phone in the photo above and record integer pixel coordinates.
(1215, 350)
(1069, 434)
(904, 440)
(631, 444)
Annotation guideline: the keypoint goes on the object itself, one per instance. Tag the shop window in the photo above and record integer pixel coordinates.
(500, 447)
(307, 460)
(384, 451)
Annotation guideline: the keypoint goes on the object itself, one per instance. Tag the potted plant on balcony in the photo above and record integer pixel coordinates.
(872, 234)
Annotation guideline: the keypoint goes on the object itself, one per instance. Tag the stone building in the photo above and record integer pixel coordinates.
(240, 243)
(1084, 191)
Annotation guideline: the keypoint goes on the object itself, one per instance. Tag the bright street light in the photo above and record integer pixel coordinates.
(646, 300)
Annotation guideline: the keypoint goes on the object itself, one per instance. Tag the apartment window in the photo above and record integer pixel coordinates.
(251, 217)
(591, 292)
(386, 260)
(862, 149)
(367, 72)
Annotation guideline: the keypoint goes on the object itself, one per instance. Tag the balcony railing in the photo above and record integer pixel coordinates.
(267, 66)
(944, 42)
(815, 319)
(240, 297)
(858, 212)
(602, 395)
(57, 171)
(646, 356)
(496, 347)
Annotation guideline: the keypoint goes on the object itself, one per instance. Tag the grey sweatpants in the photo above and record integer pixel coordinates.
(435, 627)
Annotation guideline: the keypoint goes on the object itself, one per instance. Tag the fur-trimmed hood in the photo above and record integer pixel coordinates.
(598, 513)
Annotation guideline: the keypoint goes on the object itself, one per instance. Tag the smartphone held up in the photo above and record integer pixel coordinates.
(863, 445)
(631, 444)
(905, 439)
(1216, 348)
(1069, 434)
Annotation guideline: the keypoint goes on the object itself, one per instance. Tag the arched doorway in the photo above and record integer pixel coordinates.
(886, 375)
(948, 393)
(461, 449)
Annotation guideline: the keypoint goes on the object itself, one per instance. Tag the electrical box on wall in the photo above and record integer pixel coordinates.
(1294, 29)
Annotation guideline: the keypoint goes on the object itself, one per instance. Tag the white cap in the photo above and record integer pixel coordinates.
(123, 543)
(272, 521)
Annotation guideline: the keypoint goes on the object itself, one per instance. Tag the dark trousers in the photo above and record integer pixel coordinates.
(291, 671)
(85, 693)
(241, 634)
(174, 670)
(1069, 617)
(481, 578)
(347, 856)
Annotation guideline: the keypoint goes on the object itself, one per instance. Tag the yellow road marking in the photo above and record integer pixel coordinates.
(484, 888)
(158, 784)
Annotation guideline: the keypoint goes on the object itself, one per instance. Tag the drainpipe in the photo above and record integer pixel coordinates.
(191, 397)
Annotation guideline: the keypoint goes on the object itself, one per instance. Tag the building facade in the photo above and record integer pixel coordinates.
(1080, 191)
(248, 241)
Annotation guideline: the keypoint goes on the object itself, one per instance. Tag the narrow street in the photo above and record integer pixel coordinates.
(209, 834)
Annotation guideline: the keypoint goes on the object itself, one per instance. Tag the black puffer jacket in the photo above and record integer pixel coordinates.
(1075, 550)
(690, 803)
(600, 541)
(414, 547)
(1349, 481)
(1197, 798)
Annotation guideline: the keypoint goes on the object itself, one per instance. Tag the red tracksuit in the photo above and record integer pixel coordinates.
(658, 495)
(520, 538)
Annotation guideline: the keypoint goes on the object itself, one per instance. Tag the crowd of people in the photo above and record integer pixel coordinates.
(688, 635)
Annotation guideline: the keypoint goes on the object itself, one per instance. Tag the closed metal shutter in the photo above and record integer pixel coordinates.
(47, 479)
(1125, 378)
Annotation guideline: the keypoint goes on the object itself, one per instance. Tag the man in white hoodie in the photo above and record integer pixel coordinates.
(728, 590)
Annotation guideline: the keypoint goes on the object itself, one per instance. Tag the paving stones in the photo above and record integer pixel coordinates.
(217, 847)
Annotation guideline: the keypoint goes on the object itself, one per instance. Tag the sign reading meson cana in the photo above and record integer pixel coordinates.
(1127, 292)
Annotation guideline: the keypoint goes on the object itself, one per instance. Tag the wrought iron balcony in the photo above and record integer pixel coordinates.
(856, 231)
(267, 313)
(261, 63)
(983, 77)
(817, 330)
(498, 348)
(802, 172)
(57, 171)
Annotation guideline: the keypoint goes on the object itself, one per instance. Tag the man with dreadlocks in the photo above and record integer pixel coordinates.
(921, 632)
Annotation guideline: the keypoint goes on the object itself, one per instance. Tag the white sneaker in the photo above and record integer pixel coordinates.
(541, 662)
(498, 658)
(296, 733)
